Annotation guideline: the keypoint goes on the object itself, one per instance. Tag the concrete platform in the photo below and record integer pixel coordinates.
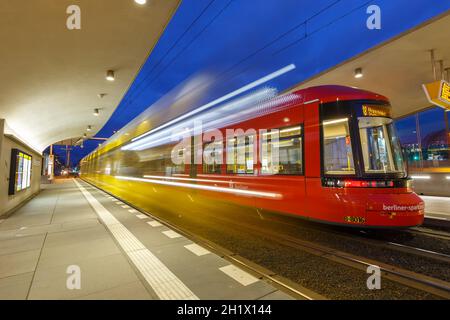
(73, 233)
(437, 211)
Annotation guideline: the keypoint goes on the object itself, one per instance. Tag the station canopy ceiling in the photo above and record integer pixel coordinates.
(51, 77)
(396, 69)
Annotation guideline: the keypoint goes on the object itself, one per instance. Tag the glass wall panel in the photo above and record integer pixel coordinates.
(434, 138)
(425, 141)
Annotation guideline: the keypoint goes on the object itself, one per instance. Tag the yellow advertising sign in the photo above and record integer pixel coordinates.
(438, 93)
(444, 95)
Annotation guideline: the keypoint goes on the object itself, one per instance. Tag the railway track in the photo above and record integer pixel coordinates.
(282, 283)
(430, 233)
(426, 253)
(371, 238)
(414, 280)
(431, 285)
(294, 289)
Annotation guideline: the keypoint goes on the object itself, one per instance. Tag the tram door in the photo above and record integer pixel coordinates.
(317, 198)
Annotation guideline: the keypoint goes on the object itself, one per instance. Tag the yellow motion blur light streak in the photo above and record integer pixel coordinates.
(185, 179)
(260, 194)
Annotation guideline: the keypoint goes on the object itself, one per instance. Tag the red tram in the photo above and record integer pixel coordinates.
(339, 162)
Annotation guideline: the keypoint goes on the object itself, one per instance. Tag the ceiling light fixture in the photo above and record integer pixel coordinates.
(358, 73)
(96, 112)
(110, 75)
(141, 2)
(89, 128)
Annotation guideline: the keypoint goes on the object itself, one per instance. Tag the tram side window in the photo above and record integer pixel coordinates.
(337, 147)
(175, 168)
(158, 161)
(213, 165)
(290, 153)
(240, 155)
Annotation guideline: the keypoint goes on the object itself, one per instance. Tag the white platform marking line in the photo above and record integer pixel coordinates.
(132, 211)
(196, 249)
(171, 234)
(239, 275)
(125, 206)
(142, 216)
(154, 223)
(165, 284)
(119, 202)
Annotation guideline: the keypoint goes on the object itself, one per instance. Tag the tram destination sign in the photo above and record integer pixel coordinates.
(376, 111)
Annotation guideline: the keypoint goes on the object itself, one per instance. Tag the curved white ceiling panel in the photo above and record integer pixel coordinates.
(51, 76)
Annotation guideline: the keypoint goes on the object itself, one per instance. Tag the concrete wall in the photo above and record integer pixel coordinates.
(7, 143)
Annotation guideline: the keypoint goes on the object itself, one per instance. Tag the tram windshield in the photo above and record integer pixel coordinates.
(360, 139)
(380, 146)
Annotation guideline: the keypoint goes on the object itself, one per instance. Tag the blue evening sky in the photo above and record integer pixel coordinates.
(225, 44)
